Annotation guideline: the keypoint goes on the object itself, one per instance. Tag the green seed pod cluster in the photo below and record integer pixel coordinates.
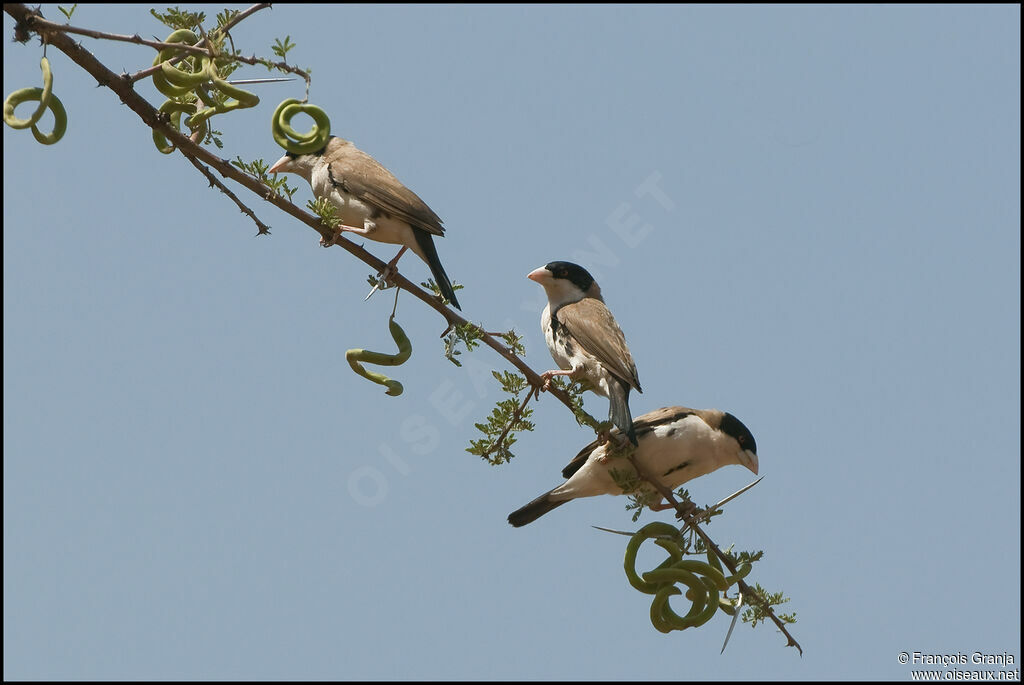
(195, 74)
(704, 580)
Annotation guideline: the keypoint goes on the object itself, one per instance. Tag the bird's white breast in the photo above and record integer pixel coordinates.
(675, 452)
(351, 210)
(575, 359)
(354, 212)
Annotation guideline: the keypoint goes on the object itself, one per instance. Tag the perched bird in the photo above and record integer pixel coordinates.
(585, 340)
(371, 202)
(677, 444)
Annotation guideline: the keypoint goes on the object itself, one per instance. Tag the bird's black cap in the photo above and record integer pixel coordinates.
(575, 273)
(734, 427)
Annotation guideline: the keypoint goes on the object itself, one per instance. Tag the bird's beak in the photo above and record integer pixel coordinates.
(539, 275)
(749, 459)
(280, 165)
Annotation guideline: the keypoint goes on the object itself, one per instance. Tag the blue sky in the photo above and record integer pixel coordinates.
(197, 486)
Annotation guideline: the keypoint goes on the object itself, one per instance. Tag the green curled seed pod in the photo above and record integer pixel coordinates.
(212, 107)
(288, 113)
(168, 90)
(655, 529)
(60, 123)
(741, 572)
(691, 580)
(354, 356)
(711, 607)
(28, 95)
(658, 606)
(184, 36)
(47, 100)
(714, 560)
(243, 98)
(183, 81)
(175, 110)
(670, 546)
(290, 139)
(174, 75)
(704, 569)
(179, 78)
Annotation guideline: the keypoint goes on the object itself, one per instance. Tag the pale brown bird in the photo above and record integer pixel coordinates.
(676, 445)
(585, 340)
(372, 203)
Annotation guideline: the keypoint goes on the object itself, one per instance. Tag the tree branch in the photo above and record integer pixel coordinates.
(55, 34)
(687, 515)
(516, 415)
(124, 89)
(262, 228)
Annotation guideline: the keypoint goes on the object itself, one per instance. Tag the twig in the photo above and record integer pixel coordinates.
(698, 515)
(281, 66)
(515, 418)
(262, 228)
(45, 26)
(714, 507)
(243, 15)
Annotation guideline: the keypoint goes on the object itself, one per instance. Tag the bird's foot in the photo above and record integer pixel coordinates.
(688, 507)
(618, 444)
(384, 277)
(389, 272)
(336, 234)
(548, 375)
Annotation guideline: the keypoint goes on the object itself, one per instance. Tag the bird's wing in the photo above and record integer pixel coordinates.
(642, 424)
(592, 324)
(578, 461)
(361, 175)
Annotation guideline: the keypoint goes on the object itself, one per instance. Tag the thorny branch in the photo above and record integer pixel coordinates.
(534, 390)
(151, 117)
(55, 34)
(262, 228)
(687, 515)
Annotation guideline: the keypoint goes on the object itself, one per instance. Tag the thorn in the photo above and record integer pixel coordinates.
(249, 81)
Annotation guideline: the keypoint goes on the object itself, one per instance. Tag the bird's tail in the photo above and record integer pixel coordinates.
(426, 242)
(618, 410)
(534, 510)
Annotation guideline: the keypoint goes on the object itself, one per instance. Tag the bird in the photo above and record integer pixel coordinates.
(585, 340)
(372, 203)
(677, 444)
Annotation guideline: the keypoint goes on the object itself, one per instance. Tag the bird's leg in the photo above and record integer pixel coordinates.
(548, 375)
(389, 270)
(338, 230)
(620, 443)
(662, 505)
(393, 264)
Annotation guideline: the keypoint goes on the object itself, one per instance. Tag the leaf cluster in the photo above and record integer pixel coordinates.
(509, 416)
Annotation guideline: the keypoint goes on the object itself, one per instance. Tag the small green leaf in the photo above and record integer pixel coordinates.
(281, 48)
